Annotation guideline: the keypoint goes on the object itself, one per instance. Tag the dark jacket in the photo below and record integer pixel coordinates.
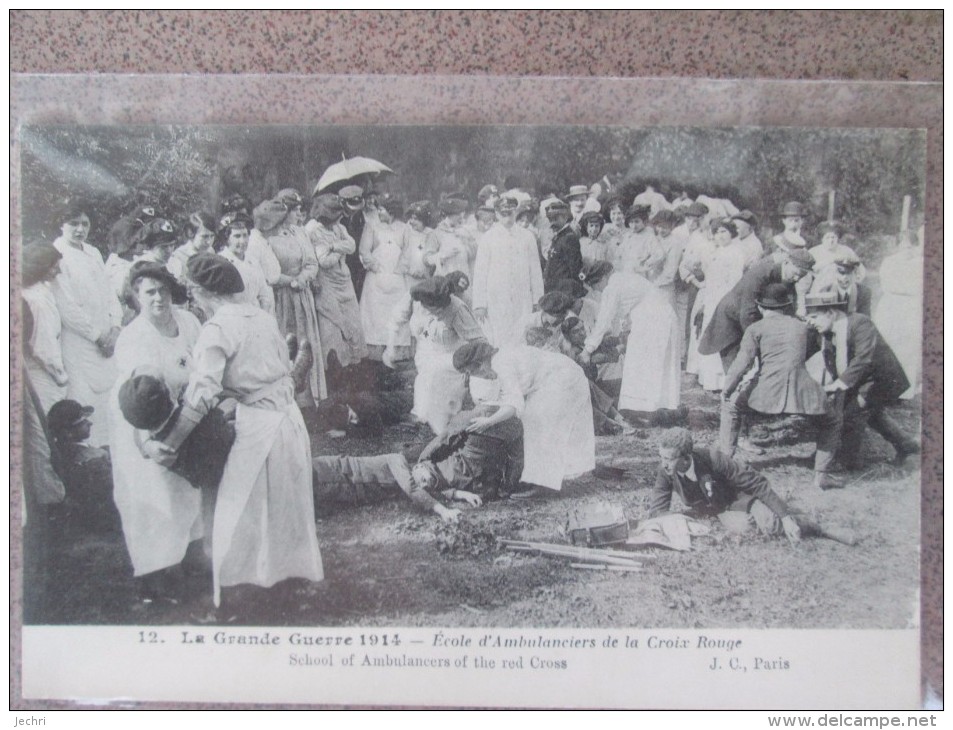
(738, 309)
(873, 370)
(782, 384)
(732, 485)
(565, 263)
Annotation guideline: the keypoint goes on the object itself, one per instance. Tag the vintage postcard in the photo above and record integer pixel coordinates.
(473, 409)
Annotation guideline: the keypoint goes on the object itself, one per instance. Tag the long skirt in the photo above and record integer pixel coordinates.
(439, 389)
(558, 438)
(264, 529)
(651, 375)
(296, 315)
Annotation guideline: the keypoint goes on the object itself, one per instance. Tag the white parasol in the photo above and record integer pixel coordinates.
(347, 169)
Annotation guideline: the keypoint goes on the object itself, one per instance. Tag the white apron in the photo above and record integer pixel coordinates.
(264, 529)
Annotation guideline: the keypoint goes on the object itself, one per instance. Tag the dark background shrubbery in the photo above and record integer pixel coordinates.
(180, 169)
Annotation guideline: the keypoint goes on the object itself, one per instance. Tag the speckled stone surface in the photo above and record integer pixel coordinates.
(721, 46)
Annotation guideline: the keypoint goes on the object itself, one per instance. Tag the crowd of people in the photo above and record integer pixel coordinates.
(183, 362)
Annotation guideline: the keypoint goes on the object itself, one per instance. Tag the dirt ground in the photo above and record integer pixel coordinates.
(388, 565)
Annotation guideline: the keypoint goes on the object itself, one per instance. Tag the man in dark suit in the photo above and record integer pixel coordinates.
(738, 309)
(710, 483)
(861, 373)
(565, 257)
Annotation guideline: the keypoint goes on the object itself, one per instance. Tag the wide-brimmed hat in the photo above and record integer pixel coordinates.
(775, 296)
(432, 292)
(746, 216)
(452, 206)
(157, 232)
(793, 209)
(487, 191)
(67, 413)
(422, 210)
(801, 258)
(152, 270)
(507, 203)
(328, 206)
(215, 274)
(145, 402)
(578, 191)
(290, 197)
(268, 215)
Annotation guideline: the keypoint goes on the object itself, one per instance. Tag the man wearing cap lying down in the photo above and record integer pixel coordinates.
(458, 466)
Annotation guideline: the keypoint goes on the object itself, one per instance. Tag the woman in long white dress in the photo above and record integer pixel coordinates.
(417, 236)
(91, 316)
(550, 395)
(160, 511)
(382, 246)
(263, 529)
(899, 313)
(439, 324)
(651, 378)
(724, 269)
(43, 352)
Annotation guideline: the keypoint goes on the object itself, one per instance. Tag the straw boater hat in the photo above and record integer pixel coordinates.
(578, 191)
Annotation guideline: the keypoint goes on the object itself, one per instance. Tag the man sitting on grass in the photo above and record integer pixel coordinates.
(710, 483)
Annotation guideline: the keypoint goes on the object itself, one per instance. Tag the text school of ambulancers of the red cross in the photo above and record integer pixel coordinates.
(476, 650)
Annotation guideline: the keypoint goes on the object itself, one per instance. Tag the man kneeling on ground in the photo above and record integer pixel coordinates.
(712, 484)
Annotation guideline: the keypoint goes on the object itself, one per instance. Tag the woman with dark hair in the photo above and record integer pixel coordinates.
(198, 235)
(723, 269)
(549, 393)
(160, 511)
(448, 250)
(382, 246)
(42, 352)
(413, 261)
(593, 247)
(339, 314)
(294, 300)
(439, 323)
(613, 233)
(91, 316)
(263, 528)
(641, 250)
(231, 242)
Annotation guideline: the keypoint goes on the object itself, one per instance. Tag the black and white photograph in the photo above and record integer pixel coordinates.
(471, 377)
